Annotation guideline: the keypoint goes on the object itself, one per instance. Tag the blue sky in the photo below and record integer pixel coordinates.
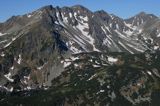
(122, 8)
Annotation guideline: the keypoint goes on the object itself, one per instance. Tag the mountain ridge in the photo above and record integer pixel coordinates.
(88, 9)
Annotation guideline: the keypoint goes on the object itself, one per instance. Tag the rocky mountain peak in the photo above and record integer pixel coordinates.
(46, 7)
(140, 18)
(80, 7)
(104, 15)
(142, 13)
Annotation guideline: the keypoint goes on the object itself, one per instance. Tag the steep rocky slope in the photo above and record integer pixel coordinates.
(100, 79)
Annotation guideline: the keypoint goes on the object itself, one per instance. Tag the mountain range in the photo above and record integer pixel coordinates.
(41, 50)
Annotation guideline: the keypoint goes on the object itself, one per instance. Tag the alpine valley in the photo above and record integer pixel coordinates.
(71, 56)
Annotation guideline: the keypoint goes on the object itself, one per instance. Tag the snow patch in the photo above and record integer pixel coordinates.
(96, 66)
(2, 34)
(110, 24)
(8, 89)
(111, 59)
(125, 47)
(59, 20)
(75, 65)
(75, 50)
(155, 71)
(117, 26)
(39, 68)
(8, 76)
(12, 68)
(112, 17)
(105, 28)
(156, 47)
(70, 15)
(120, 34)
(158, 35)
(74, 58)
(27, 77)
(2, 54)
(81, 27)
(107, 42)
(75, 14)
(72, 47)
(3, 41)
(149, 72)
(91, 77)
(92, 43)
(29, 16)
(136, 48)
(19, 59)
(56, 22)
(13, 39)
(66, 63)
(101, 90)
(129, 32)
(85, 18)
(85, 34)
(128, 25)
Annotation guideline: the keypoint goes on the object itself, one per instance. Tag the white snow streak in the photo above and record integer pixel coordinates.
(125, 47)
(19, 59)
(70, 15)
(13, 39)
(8, 76)
(140, 50)
(158, 35)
